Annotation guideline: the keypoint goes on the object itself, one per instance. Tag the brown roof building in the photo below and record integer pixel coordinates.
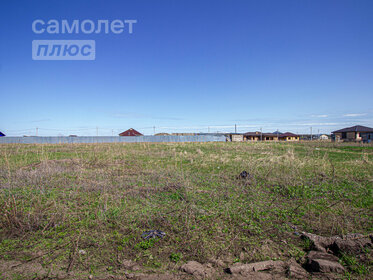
(258, 136)
(130, 132)
(353, 133)
(288, 136)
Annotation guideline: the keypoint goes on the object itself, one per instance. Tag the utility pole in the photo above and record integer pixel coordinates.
(235, 128)
(96, 130)
(154, 129)
(208, 129)
(112, 132)
(311, 132)
(37, 131)
(261, 134)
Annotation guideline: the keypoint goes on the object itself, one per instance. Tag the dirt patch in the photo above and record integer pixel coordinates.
(55, 164)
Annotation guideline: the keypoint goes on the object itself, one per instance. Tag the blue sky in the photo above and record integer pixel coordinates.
(191, 66)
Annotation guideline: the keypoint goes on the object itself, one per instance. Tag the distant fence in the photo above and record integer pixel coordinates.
(111, 139)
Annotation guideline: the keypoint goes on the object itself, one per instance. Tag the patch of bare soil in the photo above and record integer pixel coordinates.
(55, 165)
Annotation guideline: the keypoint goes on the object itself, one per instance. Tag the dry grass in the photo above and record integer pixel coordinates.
(59, 199)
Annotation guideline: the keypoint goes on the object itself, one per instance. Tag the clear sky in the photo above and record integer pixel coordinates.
(190, 65)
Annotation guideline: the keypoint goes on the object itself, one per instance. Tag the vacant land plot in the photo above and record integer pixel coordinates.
(80, 210)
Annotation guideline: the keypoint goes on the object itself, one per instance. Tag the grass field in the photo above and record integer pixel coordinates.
(82, 208)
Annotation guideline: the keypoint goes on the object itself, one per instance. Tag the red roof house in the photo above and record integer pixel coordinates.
(130, 132)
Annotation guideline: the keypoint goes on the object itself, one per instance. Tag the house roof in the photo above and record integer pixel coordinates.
(252, 133)
(269, 134)
(130, 132)
(258, 133)
(1, 134)
(288, 134)
(356, 128)
(266, 134)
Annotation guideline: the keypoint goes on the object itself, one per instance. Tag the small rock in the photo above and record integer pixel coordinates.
(90, 277)
(130, 265)
(323, 262)
(352, 243)
(245, 269)
(194, 268)
(321, 255)
(319, 242)
(352, 246)
(326, 266)
(82, 252)
(295, 271)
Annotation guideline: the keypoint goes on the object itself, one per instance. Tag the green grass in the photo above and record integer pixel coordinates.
(58, 199)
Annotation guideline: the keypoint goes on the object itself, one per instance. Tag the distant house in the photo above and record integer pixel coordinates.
(324, 137)
(252, 136)
(288, 136)
(130, 132)
(260, 136)
(269, 136)
(2, 134)
(264, 136)
(354, 133)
